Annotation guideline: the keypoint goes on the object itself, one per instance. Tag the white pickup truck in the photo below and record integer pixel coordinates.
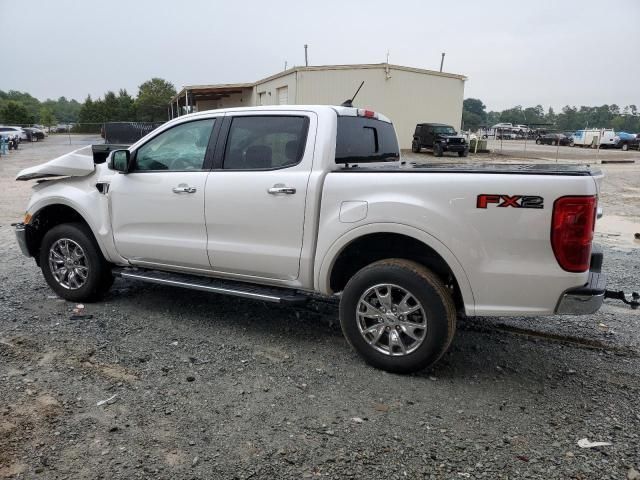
(281, 203)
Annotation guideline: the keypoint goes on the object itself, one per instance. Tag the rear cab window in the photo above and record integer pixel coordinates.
(365, 140)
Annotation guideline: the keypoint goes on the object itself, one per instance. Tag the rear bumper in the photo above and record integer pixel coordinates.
(21, 237)
(587, 299)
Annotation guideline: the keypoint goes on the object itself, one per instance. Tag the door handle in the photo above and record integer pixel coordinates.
(279, 188)
(182, 188)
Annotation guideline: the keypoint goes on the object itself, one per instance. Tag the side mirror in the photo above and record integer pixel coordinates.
(120, 161)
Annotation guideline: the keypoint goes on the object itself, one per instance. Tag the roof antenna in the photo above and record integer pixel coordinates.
(349, 101)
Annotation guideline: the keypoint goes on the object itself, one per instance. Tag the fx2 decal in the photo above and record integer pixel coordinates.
(515, 201)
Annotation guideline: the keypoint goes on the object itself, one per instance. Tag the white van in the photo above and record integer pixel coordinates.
(594, 137)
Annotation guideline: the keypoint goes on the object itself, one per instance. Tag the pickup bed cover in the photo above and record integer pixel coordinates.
(492, 168)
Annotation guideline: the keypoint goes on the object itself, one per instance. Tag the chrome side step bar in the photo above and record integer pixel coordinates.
(213, 285)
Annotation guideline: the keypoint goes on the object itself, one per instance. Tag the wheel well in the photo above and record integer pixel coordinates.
(44, 220)
(377, 246)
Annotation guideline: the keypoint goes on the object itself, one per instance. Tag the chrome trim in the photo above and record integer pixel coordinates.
(21, 237)
(204, 288)
(576, 304)
(584, 300)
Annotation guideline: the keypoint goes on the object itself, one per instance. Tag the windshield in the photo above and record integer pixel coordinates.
(445, 130)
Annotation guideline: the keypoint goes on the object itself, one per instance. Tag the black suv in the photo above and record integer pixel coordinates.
(440, 138)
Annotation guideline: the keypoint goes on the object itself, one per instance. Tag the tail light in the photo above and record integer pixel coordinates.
(572, 231)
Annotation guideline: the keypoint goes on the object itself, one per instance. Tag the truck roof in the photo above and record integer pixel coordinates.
(339, 110)
(434, 124)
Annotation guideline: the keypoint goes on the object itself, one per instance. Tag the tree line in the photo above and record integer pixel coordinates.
(150, 105)
(570, 118)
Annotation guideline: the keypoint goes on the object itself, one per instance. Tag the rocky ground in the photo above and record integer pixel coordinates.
(199, 386)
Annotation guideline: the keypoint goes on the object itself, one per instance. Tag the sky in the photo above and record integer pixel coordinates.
(552, 53)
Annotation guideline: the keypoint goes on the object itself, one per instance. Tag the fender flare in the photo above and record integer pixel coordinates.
(56, 200)
(323, 275)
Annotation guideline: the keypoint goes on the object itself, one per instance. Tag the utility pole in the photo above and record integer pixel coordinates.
(306, 59)
(285, 64)
(442, 61)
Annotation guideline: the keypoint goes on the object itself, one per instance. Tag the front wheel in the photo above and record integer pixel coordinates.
(464, 153)
(538, 142)
(72, 263)
(415, 148)
(437, 150)
(397, 315)
(625, 147)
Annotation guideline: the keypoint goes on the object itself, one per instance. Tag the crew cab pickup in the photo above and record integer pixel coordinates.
(280, 204)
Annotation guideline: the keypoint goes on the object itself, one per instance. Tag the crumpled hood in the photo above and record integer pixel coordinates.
(78, 163)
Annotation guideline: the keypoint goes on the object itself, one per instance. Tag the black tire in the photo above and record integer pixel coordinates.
(437, 150)
(464, 153)
(415, 148)
(624, 147)
(426, 288)
(98, 271)
(555, 143)
(538, 141)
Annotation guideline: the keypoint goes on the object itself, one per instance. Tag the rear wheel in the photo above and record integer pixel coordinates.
(538, 141)
(415, 148)
(72, 263)
(397, 315)
(464, 153)
(625, 147)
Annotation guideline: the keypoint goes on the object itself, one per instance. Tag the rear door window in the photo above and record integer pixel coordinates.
(363, 140)
(265, 142)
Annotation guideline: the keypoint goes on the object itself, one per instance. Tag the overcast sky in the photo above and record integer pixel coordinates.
(539, 52)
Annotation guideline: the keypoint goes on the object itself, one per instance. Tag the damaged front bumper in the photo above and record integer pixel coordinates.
(589, 298)
(21, 237)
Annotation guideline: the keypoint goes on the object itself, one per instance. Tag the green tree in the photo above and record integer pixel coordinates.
(15, 113)
(126, 106)
(47, 118)
(153, 99)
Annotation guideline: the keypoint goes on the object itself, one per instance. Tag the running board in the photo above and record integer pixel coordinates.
(214, 285)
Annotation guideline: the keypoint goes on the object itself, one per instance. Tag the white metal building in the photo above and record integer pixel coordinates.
(406, 95)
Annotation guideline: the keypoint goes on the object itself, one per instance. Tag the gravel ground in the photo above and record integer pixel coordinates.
(204, 386)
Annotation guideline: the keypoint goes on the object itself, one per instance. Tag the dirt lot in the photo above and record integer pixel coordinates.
(204, 386)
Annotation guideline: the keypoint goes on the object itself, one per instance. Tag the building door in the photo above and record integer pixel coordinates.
(262, 98)
(283, 95)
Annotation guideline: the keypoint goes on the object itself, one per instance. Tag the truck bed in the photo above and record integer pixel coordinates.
(490, 168)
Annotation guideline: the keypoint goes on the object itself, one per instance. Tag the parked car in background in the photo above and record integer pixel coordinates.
(594, 137)
(34, 134)
(624, 141)
(553, 139)
(505, 134)
(439, 138)
(41, 128)
(61, 128)
(16, 131)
